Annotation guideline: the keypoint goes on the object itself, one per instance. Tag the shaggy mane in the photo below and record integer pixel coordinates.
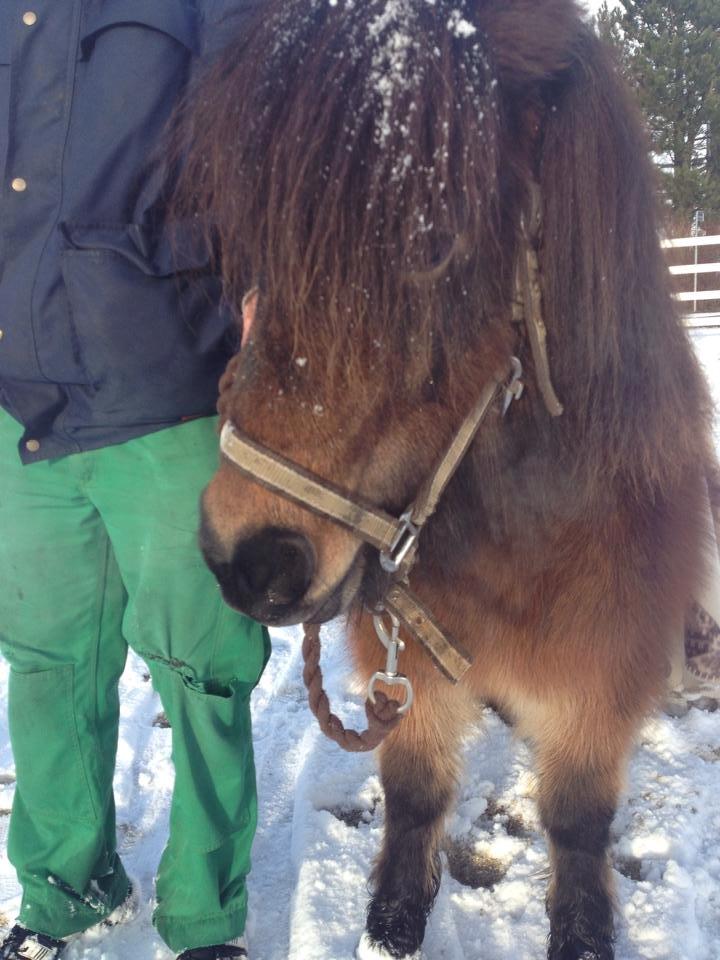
(367, 163)
(348, 156)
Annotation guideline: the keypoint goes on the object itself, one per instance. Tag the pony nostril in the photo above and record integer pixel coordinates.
(274, 567)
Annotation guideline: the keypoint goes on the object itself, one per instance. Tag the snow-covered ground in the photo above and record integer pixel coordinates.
(322, 813)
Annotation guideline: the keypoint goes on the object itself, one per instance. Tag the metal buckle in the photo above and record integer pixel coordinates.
(394, 646)
(391, 560)
(514, 387)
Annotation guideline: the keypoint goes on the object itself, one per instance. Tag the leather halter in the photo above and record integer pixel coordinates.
(395, 537)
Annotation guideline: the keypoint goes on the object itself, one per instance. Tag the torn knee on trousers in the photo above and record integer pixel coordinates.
(212, 687)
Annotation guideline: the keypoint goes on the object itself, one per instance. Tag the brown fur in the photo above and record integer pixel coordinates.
(564, 551)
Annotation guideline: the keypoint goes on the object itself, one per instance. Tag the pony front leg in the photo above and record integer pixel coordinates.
(580, 770)
(419, 767)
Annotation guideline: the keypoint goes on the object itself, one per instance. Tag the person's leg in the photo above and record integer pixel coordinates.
(60, 629)
(204, 660)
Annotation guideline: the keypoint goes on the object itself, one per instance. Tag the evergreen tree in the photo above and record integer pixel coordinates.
(670, 51)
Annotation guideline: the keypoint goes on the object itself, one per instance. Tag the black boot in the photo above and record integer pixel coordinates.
(233, 950)
(23, 944)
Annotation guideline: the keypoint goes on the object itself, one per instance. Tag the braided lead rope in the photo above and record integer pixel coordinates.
(382, 716)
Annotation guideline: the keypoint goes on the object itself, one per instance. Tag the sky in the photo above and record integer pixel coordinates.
(592, 5)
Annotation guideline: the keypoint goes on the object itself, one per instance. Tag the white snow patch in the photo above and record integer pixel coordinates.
(459, 26)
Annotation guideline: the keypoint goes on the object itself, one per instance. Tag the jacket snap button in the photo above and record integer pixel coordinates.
(19, 184)
(32, 446)
(29, 18)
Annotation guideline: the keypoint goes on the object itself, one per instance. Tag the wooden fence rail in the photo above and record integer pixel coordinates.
(700, 271)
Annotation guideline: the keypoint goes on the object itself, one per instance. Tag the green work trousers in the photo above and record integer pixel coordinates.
(97, 551)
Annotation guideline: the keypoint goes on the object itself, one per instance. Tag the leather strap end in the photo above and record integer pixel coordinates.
(446, 653)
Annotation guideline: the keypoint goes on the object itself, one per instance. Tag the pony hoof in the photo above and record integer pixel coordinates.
(576, 950)
(395, 926)
(367, 949)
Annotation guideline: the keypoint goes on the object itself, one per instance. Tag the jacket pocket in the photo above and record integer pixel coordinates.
(175, 18)
(146, 322)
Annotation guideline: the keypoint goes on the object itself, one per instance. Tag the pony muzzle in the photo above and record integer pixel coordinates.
(268, 575)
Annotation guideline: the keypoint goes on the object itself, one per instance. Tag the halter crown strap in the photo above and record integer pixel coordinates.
(527, 306)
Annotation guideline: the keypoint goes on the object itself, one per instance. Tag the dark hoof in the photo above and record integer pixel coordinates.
(396, 926)
(581, 926)
(369, 950)
(574, 948)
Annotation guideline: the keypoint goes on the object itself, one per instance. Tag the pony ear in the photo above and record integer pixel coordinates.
(249, 310)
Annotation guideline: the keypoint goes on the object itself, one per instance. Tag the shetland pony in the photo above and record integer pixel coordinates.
(369, 166)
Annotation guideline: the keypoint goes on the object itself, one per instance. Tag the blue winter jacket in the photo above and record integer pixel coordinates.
(109, 330)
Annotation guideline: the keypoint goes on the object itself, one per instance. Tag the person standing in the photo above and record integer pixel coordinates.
(112, 340)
